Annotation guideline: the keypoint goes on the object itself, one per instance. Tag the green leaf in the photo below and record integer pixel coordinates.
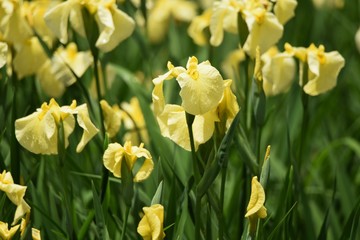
(351, 227)
(99, 215)
(212, 172)
(243, 29)
(86, 225)
(158, 194)
(127, 183)
(265, 171)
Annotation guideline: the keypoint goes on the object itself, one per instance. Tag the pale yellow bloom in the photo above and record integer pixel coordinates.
(14, 27)
(201, 87)
(38, 132)
(84, 121)
(197, 27)
(115, 154)
(255, 208)
(112, 117)
(114, 25)
(172, 122)
(224, 18)
(265, 28)
(228, 106)
(160, 14)
(53, 76)
(5, 232)
(15, 193)
(77, 61)
(3, 53)
(199, 81)
(151, 225)
(323, 67)
(34, 12)
(278, 71)
(30, 50)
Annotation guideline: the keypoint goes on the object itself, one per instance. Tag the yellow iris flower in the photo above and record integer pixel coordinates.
(278, 71)
(151, 225)
(114, 25)
(130, 114)
(5, 232)
(323, 67)
(15, 193)
(14, 27)
(255, 208)
(38, 132)
(202, 91)
(115, 154)
(112, 117)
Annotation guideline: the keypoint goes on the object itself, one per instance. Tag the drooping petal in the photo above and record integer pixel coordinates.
(147, 166)
(14, 27)
(85, 123)
(324, 73)
(114, 27)
(51, 85)
(151, 225)
(13, 191)
(264, 31)
(197, 27)
(21, 210)
(257, 198)
(112, 158)
(78, 61)
(228, 106)
(112, 118)
(57, 19)
(284, 10)
(5, 232)
(35, 234)
(37, 135)
(278, 71)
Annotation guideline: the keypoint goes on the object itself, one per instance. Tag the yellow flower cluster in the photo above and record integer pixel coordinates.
(279, 69)
(21, 20)
(38, 132)
(204, 94)
(114, 25)
(264, 20)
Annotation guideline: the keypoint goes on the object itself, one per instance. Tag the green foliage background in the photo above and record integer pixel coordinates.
(319, 200)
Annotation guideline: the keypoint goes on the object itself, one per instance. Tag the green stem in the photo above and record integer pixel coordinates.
(222, 195)
(189, 120)
(14, 149)
(64, 180)
(127, 211)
